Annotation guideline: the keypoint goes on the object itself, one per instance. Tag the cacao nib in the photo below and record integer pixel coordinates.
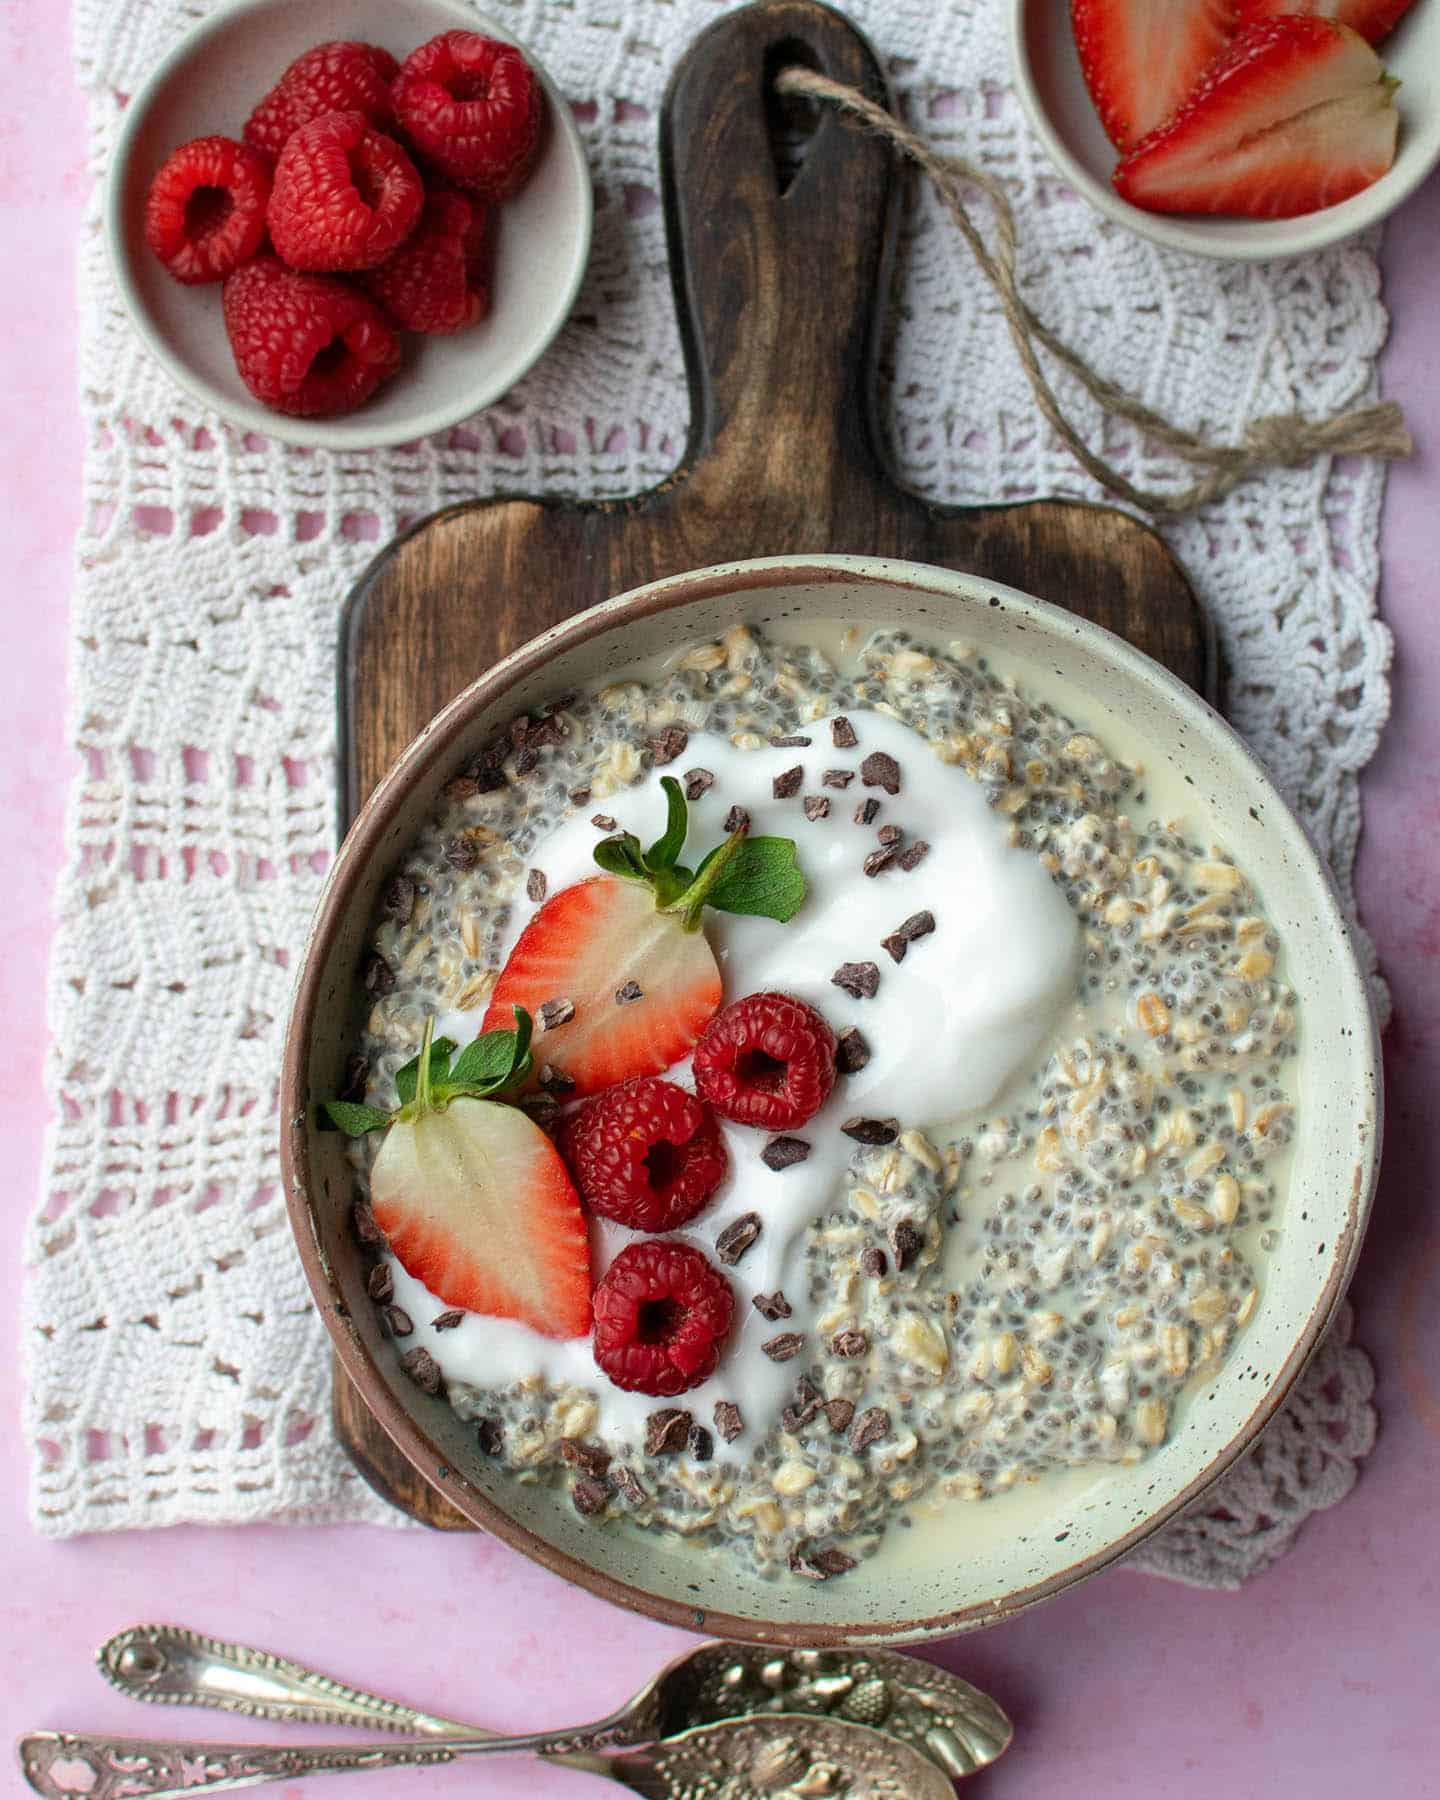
(881, 770)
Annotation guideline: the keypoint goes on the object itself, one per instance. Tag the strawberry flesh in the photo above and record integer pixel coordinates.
(1296, 115)
(589, 944)
(1373, 19)
(1140, 58)
(476, 1204)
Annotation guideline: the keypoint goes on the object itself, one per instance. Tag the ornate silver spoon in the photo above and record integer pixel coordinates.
(945, 1718)
(788, 1754)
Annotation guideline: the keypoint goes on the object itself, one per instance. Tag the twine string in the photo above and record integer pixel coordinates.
(1280, 440)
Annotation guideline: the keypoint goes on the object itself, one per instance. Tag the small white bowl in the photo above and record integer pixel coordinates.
(1053, 92)
(209, 83)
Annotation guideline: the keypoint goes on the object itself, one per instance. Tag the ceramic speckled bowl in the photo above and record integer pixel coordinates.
(209, 83)
(964, 1567)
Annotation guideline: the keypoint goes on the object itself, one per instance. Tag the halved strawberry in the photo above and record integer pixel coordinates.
(617, 970)
(1373, 19)
(476, 1203)
(472, 1195)
(1140, 58)
(591, 945)
(1297, 114)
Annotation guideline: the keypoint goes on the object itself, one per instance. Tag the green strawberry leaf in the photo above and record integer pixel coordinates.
(664, 853)
(524, 1027)
(622, 856)
(489, 1059)
(764, 880)
(407, 1076)
(495, 1061)
(352, 1118)
(760, 876)
(669, 884)
(492, 1061)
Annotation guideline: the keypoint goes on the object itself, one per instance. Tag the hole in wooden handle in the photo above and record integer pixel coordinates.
(791, 119)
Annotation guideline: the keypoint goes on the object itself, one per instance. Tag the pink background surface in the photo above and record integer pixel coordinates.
(1317, 1679)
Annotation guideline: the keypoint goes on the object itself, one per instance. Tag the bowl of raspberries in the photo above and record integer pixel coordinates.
(349, 240)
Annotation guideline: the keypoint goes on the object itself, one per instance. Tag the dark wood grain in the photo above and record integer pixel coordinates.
(778, 285)
(382, 1465)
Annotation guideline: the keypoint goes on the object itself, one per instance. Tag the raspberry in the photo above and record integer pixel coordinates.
(473, 106)
(306, 344)
(661, 1315)
(345, 195)
(766, 1060)
(340, 76)
(645, 1154)
(439, 278)
(205, 213)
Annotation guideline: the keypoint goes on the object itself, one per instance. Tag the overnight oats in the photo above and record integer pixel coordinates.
(804, 1088)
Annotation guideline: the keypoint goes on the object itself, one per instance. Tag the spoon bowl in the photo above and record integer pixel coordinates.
(793, 1752)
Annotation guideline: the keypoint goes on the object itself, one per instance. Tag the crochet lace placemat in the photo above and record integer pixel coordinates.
(177, 1370)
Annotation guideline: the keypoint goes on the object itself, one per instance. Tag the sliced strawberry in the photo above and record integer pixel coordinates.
(1297, 114)
(1373, 19)
(476, 1203)
(591, 945)
(616, 969)
(1140, 58)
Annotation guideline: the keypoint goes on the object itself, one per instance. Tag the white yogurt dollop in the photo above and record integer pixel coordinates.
(949, 1027)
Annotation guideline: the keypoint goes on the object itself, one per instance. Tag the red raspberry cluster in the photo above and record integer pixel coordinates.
(375, 183)
(649, 1155)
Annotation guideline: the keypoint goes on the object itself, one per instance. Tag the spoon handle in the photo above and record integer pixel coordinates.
(168, 1665)
(74, 1765)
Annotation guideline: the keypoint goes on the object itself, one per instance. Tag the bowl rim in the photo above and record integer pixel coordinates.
(347, 432)
(1330, 225)
(435, 744)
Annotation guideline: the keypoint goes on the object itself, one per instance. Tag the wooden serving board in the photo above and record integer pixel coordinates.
(781, 228)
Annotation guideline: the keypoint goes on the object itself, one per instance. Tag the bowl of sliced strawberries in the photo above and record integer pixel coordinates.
(350, 224)
(1239, 129)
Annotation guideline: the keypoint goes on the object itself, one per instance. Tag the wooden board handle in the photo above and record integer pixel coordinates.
(777, 281)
